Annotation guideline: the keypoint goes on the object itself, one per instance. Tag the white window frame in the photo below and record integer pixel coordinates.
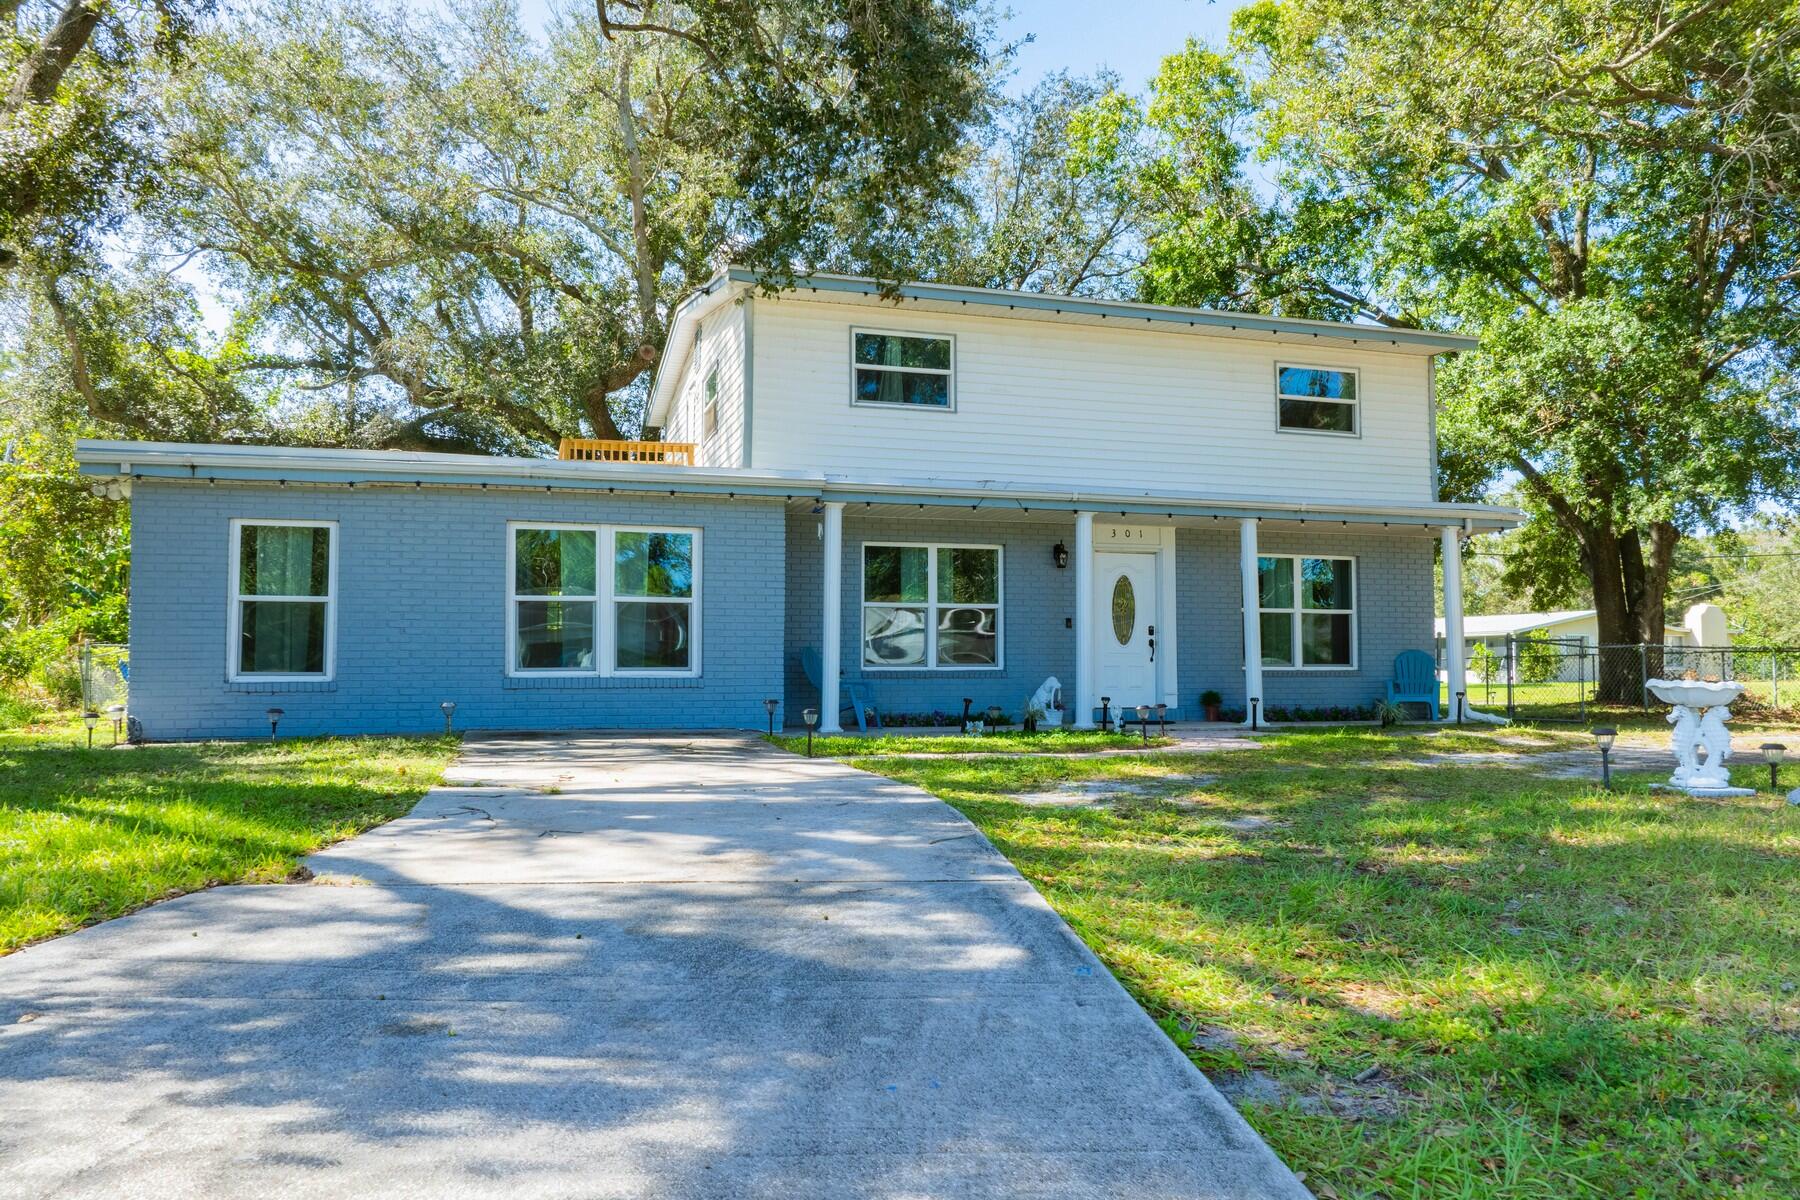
(235, 612)
(1355, 406)
(709, 403)
(931, 606)
(605, 599)
(1297, 611)
(949, 373)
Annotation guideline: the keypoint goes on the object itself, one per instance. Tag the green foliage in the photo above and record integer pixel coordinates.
(1484, 663)
(1539, 660)
(63, 568)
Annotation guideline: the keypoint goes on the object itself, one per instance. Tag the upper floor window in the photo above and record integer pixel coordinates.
(710, 412)
(902, 369)
(1317, 400)
(283, 615)
(1308, 611)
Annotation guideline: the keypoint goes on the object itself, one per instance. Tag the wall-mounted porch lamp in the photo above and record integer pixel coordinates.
(1773, 752)
(769, 706)
(274, 715)
(1603, 737)
(811, 717)
(1059, 554)
(448, 708)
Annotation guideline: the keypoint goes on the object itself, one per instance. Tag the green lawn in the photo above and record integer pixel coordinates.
(1445, 981)
(86, 835)
(1050, 741)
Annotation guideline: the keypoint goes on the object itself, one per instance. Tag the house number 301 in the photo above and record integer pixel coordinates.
(1127, 534)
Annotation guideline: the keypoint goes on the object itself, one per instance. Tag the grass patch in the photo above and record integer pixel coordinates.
(1448, 981)
(86, 835)
(1050, 741)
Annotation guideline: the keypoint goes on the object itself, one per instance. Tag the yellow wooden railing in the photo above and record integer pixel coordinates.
(677, 454)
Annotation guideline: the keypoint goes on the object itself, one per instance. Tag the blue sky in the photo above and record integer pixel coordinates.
(1130, 36)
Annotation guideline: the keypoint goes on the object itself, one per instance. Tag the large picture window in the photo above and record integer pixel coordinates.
(931, 607)
(283, 618)
(906, 370)
(1317, 400)
(597, 600)
(1308, 611)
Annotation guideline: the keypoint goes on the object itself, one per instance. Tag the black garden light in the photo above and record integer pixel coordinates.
(769, 706)
(1162, 720)
(1254, 701)
(1603, 737)
(448, 708)
(274, 715)
(90, 718)
(1106, 714)
(1144, 721)
(1773, 752)
(811, 717)
(117, 713)
(1059, 554)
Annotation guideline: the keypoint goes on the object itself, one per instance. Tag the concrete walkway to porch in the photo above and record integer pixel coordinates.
(612, 966)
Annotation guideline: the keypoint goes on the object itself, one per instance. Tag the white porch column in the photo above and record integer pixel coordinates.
(831, 636)
(1252, 600)
(1455, 658)
(1085, 702)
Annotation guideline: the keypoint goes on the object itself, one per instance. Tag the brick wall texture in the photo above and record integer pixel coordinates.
(422, 596)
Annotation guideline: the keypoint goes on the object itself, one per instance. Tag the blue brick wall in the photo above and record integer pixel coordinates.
(422, 613)
(1394, 611)
(1038, 599)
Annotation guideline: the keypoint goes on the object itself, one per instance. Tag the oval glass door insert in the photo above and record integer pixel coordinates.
(1124, 606)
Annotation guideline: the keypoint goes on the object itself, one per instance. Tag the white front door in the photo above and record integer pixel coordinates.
(1127, 600)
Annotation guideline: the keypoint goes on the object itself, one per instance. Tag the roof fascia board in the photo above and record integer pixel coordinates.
(308, 465)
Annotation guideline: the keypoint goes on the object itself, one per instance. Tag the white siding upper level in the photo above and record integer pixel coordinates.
(1077, 402)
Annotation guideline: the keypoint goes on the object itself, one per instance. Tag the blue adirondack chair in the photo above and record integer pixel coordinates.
(853, 694)
(1415, 680)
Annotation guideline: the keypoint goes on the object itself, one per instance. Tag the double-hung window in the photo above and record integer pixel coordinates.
(709, 412)
(1317, 400)
(283, 618)
(931, 607)
(602, 600)
(1308, 610)
(907, 370)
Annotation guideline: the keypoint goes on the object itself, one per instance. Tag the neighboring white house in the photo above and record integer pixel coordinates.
(1705, 626)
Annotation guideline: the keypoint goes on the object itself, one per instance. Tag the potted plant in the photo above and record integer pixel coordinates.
(1033, 714)
(1210, 701)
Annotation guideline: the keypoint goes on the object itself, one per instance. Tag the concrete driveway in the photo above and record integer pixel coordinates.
(611, 967)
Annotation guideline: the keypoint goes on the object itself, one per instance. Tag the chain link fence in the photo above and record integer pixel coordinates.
(1571, 679)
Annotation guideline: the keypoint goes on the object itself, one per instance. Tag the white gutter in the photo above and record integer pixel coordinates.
(124, 459)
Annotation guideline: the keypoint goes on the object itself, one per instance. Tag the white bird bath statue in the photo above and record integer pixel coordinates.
(1698, 712)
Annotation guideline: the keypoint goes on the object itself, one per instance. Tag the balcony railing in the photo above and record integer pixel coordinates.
(674, 454)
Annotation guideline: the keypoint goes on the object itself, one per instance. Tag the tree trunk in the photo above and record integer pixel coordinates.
(1630, 590)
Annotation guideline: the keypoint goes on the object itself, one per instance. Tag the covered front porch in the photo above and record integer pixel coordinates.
(916, 601)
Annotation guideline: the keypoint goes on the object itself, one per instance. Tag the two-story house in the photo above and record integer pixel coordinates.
(952, 493)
